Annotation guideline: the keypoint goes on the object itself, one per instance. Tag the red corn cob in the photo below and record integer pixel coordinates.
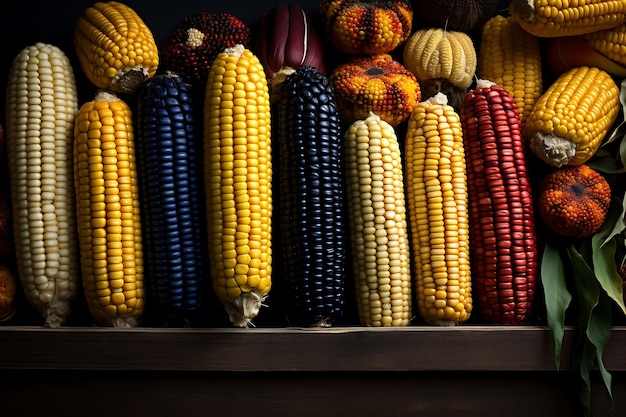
(502, 229)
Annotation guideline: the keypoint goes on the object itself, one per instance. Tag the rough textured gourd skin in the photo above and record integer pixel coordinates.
(574, 200)
(377, 84)
(366, 26)
(196, 40)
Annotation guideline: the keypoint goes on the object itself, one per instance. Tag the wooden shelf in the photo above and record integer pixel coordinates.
(275, 372)
(345, 349)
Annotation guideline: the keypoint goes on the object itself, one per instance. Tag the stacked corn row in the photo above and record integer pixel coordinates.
(502, 238)
(309, 195)
(170, 171)
(238, 182)
(377, 223)
(41, 108)
(107, 206)
(438, 204)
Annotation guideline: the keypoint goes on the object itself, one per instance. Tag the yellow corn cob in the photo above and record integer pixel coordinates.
(570, 120)
(377, 218)
(107, 205)
(41, 106)
(436, 185)
(550, 18)
(511, 57)
(238, 181)
(609, 42)
(115, 48)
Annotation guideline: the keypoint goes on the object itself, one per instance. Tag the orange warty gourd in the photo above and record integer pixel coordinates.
(377, 84)
(574, 200)
(366, 26)
(8, 293)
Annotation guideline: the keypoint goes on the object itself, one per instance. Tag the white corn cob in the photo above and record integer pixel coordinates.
(41, 105)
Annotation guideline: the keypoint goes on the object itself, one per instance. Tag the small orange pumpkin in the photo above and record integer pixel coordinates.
(377, 84)
(366, 26)
(574, 200)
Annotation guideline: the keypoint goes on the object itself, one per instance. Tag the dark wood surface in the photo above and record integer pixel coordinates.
(414, 371)
(345, 349)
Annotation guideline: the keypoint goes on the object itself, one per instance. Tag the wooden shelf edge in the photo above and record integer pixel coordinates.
(413, 348)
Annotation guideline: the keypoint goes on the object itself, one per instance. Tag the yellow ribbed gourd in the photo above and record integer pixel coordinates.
(511, 57)
(572, 117)
(41, 105)
(108, 212)
(238, 182)
(437, 193)
(115, 48)
(436, 53)
(378, 226)
(550, 18)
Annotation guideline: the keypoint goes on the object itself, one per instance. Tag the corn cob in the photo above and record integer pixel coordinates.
(511, 57)
(437, 192)
(41, 107)
(194, 42)
(238, 182)
(377, 223)
(572, 117)
(609, 42)
(107, 205)
(309, 198)
(170, 171)
(115, 48)
(549, 18)
(502, 228)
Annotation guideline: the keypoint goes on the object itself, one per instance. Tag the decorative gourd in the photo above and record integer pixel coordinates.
(116, 50)
(574, 200)
(286, 39)
(464, 16)
(194, 42)
(377, 84)
(366, 26)
(8, 293)
(442, 60)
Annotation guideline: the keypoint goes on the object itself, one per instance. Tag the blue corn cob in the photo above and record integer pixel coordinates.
(309, 198)
(170, 173)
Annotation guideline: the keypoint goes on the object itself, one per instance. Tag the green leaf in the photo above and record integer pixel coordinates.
(556, 294)
(604, 258)
(605, 271)
(599, 334)
(587, 293)
(615, 223)
(620, 131)
(604, 161)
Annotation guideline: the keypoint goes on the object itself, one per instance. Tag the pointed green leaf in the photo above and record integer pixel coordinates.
(615, 222)
(604, 255)
(605, 271)
(587, 293)
(599, 334)
(583, 360)
(556, 294)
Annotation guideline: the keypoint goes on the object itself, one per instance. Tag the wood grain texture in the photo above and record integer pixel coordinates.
(414, 348)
